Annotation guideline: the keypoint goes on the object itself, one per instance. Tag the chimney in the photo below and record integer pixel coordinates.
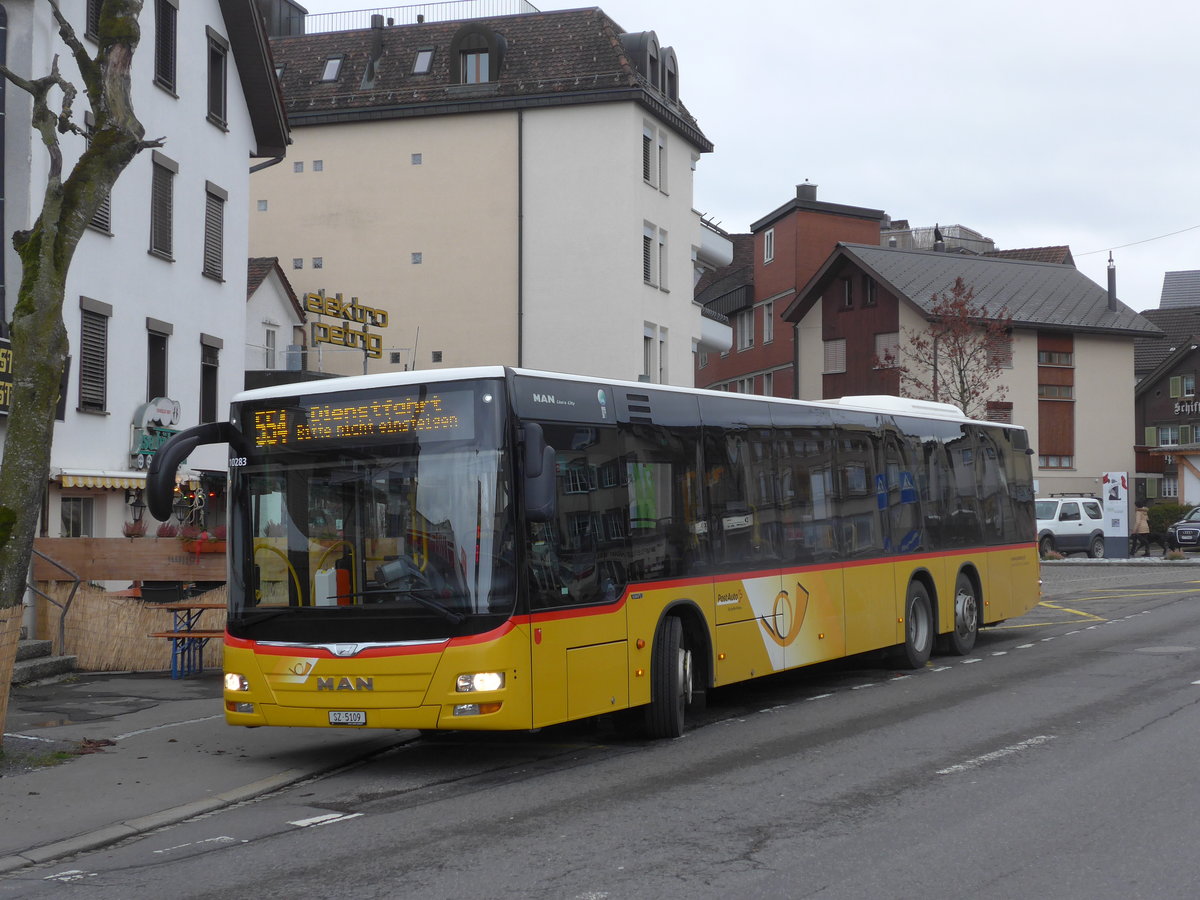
(806, 191)
(1112, 284)
(368, 80)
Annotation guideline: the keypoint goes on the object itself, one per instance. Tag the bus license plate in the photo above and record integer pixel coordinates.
(347, 717)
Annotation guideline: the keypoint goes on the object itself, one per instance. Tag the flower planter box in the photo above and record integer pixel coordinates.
(204, 546)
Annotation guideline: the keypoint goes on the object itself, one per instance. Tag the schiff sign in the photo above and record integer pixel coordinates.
(6, 373)
(352, 314)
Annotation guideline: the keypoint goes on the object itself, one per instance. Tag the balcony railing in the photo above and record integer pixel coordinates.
(448, 11)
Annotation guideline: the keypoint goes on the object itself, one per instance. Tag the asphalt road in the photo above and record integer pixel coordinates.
(1056, 760)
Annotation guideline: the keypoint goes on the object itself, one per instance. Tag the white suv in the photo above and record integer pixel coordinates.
(1070, 525)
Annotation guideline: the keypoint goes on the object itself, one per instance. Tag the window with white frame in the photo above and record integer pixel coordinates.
(768, 314)
(887, 350)
(648, 154)
(768, 245)
(835, 356)
(77, 514)
(662, 259)
(269, 349)
(743, 327)
(768, 384)
(661, 163)
(654, 255)
(1170, 486)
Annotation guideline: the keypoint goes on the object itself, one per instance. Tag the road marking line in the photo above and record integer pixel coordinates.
(222, 839)
(995, 755)
(967, 662)
(324, 820)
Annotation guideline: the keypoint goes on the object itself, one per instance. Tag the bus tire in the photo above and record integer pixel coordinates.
(918, 627)
(670, 681)
(965, 629)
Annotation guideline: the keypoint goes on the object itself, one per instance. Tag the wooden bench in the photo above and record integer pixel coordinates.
(187, 649)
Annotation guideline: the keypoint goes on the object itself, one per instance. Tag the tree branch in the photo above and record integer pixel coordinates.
(88, 67)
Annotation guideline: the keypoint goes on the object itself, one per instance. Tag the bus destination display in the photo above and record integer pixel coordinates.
(442, 415)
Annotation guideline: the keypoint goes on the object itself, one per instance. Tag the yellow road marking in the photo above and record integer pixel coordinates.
(1075, 612)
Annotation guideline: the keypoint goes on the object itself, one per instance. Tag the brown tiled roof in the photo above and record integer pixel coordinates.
(550, 58)
(257, 270)
(1058, 255)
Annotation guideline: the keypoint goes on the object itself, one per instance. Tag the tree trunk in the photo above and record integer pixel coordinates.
(39, 338)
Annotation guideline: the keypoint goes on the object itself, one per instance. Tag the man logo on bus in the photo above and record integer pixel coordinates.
(345, 684)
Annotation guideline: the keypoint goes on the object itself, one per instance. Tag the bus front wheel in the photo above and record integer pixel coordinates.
(670, 681)
(918, 627)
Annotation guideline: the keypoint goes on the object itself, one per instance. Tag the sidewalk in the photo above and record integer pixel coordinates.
(171, 757)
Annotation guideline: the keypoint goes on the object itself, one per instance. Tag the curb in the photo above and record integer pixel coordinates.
(111, 834)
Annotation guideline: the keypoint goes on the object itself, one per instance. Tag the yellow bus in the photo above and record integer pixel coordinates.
(499, 548)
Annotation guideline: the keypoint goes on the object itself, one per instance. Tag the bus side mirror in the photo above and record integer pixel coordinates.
(160, 477)
(540, 484)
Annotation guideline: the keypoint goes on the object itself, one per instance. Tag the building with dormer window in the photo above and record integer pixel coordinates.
(512, 189)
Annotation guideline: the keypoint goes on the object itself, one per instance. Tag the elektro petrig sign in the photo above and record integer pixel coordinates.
(352, 314)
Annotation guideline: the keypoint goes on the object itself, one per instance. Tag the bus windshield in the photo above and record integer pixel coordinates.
(365, 538)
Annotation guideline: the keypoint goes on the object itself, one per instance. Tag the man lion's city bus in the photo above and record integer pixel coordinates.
(498, 548)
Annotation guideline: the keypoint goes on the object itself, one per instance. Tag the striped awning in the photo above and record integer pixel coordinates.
(99, 478)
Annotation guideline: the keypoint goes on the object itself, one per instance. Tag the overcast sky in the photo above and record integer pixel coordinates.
(1036, 123)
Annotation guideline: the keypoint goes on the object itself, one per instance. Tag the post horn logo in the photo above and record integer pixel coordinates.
(787, 617)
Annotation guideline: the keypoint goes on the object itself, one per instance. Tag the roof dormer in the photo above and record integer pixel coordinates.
(656, 64)
(476, 54)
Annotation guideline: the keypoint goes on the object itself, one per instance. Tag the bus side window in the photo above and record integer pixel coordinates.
(666, 528)
(859, 493)
(740, 490)
(582, 555)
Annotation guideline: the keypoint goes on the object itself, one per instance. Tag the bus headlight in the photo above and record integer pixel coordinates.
(480, 681)
(235, 682)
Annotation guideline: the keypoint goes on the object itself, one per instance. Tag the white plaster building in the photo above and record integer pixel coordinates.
(513, 190)
(156, 297)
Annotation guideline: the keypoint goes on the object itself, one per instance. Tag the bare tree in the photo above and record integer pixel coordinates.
(39, 338)
(957, 357)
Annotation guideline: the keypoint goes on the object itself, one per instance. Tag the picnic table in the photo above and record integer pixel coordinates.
(188, 641)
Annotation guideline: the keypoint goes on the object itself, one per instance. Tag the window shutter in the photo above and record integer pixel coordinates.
(1151, 436)
(1176, 386)
(647, 146)
(164, 44)
(835, 356)
(1185, 434)
(1152, 488)
(161, 202)
(214, 235)
(93, 361)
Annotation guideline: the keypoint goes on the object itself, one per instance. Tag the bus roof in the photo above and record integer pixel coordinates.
(875, 403)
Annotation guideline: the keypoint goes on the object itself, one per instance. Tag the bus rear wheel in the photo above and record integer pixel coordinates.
(961, 638)
(670, 681)
(918, 627)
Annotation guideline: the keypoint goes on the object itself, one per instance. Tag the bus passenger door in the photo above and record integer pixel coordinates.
(576, 571)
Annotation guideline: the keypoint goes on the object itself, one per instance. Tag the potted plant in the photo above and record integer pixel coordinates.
(134, 529)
